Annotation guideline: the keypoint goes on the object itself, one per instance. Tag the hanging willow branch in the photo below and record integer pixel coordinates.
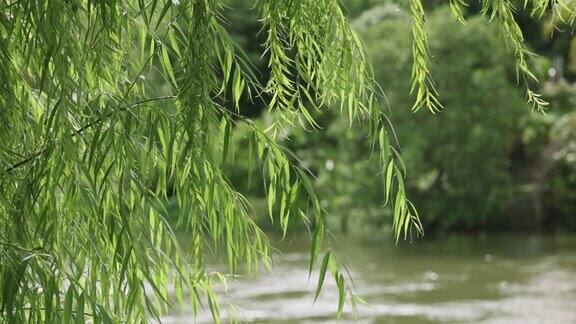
(109, 109)
(500, 11)
(79, 131)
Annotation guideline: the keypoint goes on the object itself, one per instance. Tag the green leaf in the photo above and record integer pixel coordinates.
(225, 135)
(167, 65)
(389, 174)
(68, 304)
(322, 274)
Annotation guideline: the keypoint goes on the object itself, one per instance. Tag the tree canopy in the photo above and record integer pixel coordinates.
(108, 109)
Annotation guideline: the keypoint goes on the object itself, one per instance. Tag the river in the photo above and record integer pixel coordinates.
(506, 278)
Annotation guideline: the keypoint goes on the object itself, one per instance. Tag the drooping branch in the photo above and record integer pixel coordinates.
(80, 130)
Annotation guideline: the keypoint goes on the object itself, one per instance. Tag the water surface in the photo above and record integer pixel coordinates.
(459, 279)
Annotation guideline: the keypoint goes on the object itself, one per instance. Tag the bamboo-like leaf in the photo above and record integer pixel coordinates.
(388, 186)
(322, 275)
(167, 65)
(225, 134)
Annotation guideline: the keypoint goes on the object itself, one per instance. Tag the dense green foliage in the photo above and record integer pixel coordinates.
(445, 154)
(111, 109)
(559, 192)
(476, 163)
(460, 160)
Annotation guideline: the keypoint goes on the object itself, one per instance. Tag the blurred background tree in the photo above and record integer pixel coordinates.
(487, 161)
(461, 159)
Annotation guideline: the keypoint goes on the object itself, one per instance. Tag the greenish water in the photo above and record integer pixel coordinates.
(481, 279)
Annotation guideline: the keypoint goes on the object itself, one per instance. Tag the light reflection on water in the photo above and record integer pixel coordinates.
(489, 279)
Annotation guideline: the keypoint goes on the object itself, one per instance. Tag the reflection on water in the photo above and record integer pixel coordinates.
(492, 279)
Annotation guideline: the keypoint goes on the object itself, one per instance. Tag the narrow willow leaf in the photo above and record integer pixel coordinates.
(322, 275)
(309, 189)
(316, 244)
(167, 4)
(388, 187)
(237, 87)
(341, 294)
(80, 309)
(225, 135)
(167, 65)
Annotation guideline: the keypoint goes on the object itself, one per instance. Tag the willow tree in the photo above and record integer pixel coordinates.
(109, 108)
